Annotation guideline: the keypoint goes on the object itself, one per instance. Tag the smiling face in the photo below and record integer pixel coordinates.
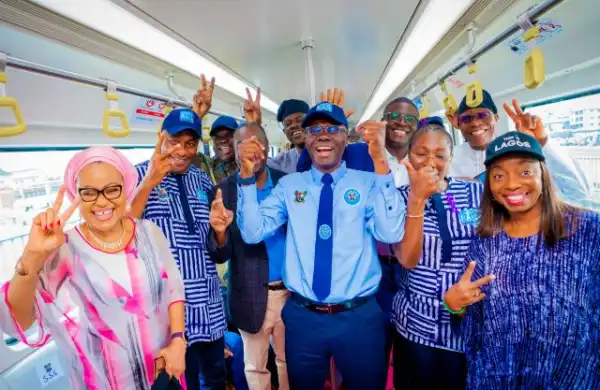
(100, 186)
(188, 148)
(431, 148)
(292, 127)
(326, 148)
(516, 183)
(402, 120)
(223, 144)
(478, 126)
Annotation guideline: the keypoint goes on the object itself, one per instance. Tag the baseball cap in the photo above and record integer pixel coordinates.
(487, 102)
(223, 122)
(430, 121)
(513, 142)
(182, 119)
(327, 111)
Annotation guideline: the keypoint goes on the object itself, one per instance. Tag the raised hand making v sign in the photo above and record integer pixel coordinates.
(202, 101)
(161, 163)
(46, 235)
(527, 123)
(466, 291)
(252, 110)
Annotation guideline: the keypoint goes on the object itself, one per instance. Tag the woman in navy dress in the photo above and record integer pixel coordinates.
(536, 326)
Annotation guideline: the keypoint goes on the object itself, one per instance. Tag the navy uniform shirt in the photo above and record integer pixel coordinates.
(180, 206)
(366, 207)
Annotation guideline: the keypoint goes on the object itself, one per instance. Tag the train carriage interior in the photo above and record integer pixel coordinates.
(61, 56)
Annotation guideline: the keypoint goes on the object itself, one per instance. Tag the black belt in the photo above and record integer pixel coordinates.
(390, 260)
(330, 308)
(276, 287)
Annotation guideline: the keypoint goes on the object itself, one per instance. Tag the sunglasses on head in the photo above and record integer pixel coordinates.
(332, 129)
(469, 118)
(396, 116)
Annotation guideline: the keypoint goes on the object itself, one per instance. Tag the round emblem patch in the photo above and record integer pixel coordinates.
(351, 197)
(162, 194)
(324, 232)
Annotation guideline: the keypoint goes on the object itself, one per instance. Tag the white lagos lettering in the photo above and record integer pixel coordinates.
(510, 143)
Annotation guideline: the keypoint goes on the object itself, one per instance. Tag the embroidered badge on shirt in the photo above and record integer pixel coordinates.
(202, 196)
(468, 216)
(299, 196)
(324, 231)
(162, 194)
(351, 197)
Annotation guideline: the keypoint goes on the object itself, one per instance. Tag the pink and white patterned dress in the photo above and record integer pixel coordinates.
(122, 300)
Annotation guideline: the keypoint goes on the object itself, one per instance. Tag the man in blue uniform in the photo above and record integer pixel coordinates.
(333, 215)
(174, 194)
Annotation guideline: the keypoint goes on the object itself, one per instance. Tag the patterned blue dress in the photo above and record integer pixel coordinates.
(539, 325)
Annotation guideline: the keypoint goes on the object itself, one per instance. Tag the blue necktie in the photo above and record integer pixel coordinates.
(324, 243)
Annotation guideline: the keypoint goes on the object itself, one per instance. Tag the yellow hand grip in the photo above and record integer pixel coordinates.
(8, 102)
(206, 134)
(450, 104)
(114, 113)
(535, 69)
(474, 96)
(472, 69)
(530, 34)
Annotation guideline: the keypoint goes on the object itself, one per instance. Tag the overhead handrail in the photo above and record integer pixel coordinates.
(113, 111)
(535, 68)
(9, 102)
(18, 63)
(534, 14)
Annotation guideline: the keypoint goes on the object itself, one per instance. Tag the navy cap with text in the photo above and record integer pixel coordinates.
(487, 102)
(327, 111)
(514, 142)
(182, 119)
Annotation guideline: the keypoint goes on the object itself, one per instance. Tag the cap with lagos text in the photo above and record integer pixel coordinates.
(513, 142)
(327, 111)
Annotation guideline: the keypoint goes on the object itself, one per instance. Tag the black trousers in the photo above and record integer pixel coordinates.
(208, 359)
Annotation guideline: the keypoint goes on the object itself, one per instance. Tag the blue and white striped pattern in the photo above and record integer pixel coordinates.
(418, 312)
(205, 315)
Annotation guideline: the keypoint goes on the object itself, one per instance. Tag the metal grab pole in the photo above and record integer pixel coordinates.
(307, 46)
(18, 63)
(534, 14)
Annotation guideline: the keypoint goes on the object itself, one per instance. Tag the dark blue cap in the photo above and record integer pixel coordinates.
(182, 119)
(487, 102)
(430, 120)
(513, 142)
(291, 106)
(327, 111)
(224, 122)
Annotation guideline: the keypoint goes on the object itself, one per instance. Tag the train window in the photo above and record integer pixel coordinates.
(29, 182)
(574, 123)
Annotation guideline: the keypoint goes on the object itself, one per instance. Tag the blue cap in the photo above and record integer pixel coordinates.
(291, 106)
(327, 111)
(513, 142)
(430, 120)
(224, 122)
(487, 102)
(182, 119)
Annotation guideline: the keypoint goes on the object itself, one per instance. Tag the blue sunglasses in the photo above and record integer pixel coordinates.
(317, 129)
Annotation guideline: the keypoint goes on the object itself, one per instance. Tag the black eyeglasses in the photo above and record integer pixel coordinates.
(111, 192)
(466, 119)
(396, 116)
(317, 129)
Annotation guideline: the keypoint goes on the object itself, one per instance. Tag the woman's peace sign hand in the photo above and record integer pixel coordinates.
(527, 123)
(46, 233)
(466, 292)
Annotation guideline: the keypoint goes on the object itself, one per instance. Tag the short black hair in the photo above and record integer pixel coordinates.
(401, 99)
(431, 127)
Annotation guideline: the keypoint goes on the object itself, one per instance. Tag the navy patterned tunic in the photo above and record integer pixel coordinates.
(539, 324)
(180, 206)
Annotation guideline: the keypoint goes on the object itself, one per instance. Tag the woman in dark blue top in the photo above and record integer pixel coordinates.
(536, 326)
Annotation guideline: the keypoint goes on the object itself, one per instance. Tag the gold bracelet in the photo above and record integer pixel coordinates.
(415, 216)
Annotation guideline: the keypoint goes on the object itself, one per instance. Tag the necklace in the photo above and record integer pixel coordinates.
(108, 245)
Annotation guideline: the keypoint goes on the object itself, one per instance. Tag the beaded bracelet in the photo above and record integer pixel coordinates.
(455, 312)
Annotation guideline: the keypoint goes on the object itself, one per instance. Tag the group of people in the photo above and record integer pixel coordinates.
(465, 265)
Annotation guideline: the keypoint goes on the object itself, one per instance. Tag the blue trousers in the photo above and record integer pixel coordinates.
(418, 367)
(388, 286)
(355, 339)
(208, 359)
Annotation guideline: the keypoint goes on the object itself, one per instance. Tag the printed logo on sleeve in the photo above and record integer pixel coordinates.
(352, 197)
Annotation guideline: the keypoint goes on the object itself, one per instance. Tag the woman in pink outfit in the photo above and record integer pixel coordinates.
(108, 290)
